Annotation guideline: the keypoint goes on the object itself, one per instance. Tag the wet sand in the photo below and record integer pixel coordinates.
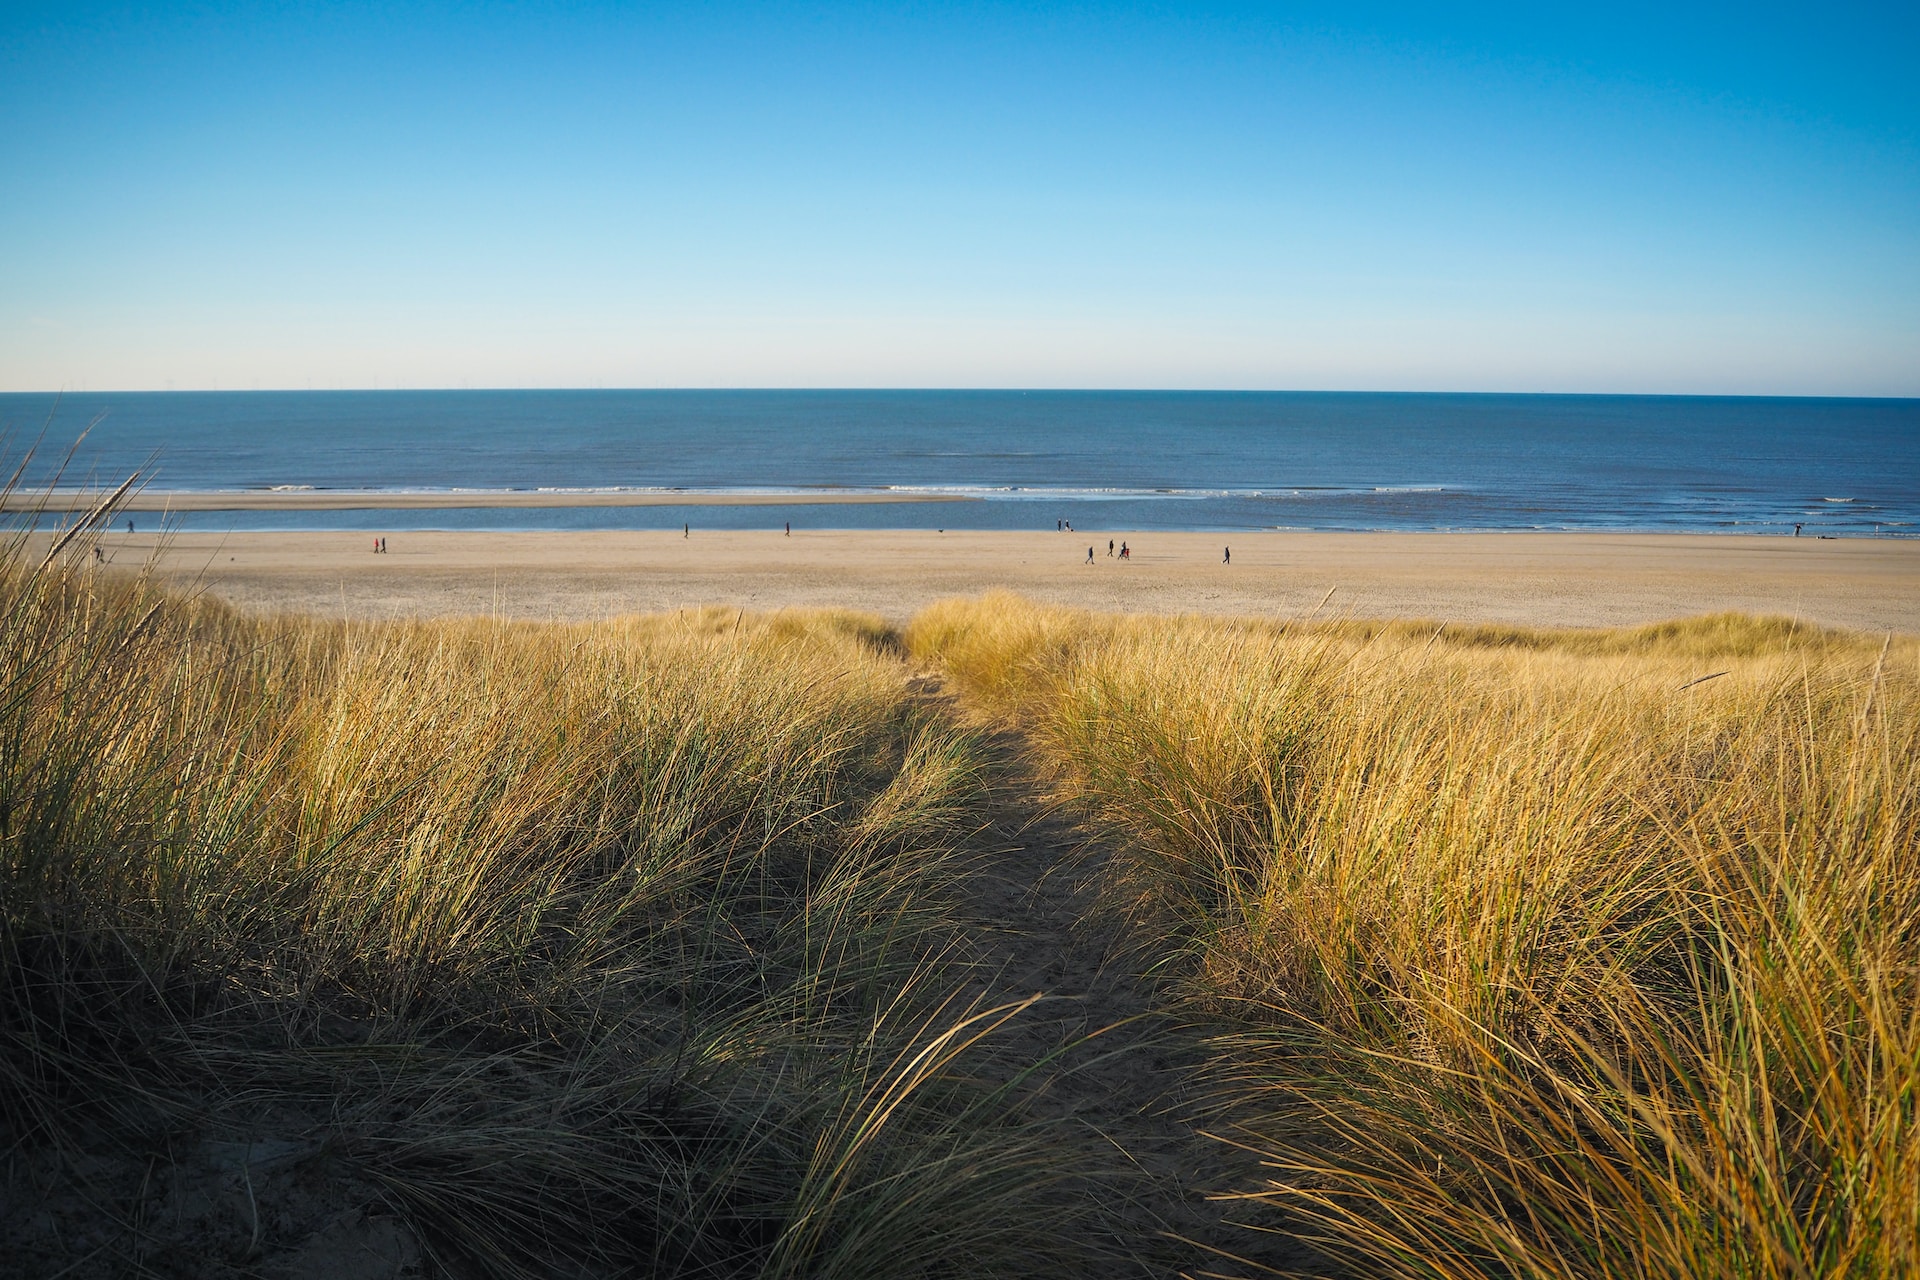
(1544, 579)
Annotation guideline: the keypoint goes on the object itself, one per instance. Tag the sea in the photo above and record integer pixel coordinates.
(1023, 459)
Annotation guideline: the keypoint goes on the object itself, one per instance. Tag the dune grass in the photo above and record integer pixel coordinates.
(617, 948)
(635, 947)
(1537, 954)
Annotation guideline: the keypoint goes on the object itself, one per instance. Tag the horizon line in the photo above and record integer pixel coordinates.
(938, 390)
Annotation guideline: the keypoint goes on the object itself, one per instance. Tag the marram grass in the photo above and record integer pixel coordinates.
(1545, 954)
(633, 947)
(624, 948)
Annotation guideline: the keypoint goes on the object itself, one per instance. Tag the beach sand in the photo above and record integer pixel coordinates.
(1543, 579)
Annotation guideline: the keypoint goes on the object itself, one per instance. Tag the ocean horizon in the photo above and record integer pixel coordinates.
(1201, 460)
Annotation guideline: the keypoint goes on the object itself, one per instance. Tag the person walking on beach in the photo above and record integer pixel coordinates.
(1089, 555)
(1123, 552)
(1109, 546)
(1226, 555)
(789, 528)
(129, 526)
(1796, 529)
(686, 531)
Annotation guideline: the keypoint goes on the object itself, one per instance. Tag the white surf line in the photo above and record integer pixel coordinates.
(410, 500)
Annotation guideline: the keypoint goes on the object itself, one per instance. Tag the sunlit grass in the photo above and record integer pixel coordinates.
(634, 946)
(1550, 953)
(626, 947)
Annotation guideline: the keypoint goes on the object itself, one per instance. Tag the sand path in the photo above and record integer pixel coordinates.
(1132, 1081)
(1549, 578)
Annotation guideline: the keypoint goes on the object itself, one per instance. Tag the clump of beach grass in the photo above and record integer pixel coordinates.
(1539, 953)
(621, 947)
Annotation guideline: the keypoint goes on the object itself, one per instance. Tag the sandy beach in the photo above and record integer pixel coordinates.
(1546, 579)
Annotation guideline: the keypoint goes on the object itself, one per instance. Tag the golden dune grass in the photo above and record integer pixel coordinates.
(1550, 954)
(607, 948)
(629, 946)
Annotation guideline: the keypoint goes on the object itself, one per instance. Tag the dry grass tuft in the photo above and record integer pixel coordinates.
(1552, 954)
(589, 949)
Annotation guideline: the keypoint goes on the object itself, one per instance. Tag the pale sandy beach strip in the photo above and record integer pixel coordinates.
(1567, 579)
(449, 499)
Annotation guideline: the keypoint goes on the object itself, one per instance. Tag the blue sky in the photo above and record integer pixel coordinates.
(1647, 198)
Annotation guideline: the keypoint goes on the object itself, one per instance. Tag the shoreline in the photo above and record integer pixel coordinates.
(1541, 579)
(67, 500)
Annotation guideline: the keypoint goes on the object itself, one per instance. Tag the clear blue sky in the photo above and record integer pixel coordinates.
(1658, 197)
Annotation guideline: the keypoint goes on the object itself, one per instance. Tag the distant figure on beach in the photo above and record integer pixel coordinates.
(1059, 526)
(1069, 525)
(789, 528)
(1796, 530)
(376, 546)
(1226, 555)
(99, 556)
(1109, 546)
(686, 531)
(1089, 555)
(1124, 555)
(129, 526)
